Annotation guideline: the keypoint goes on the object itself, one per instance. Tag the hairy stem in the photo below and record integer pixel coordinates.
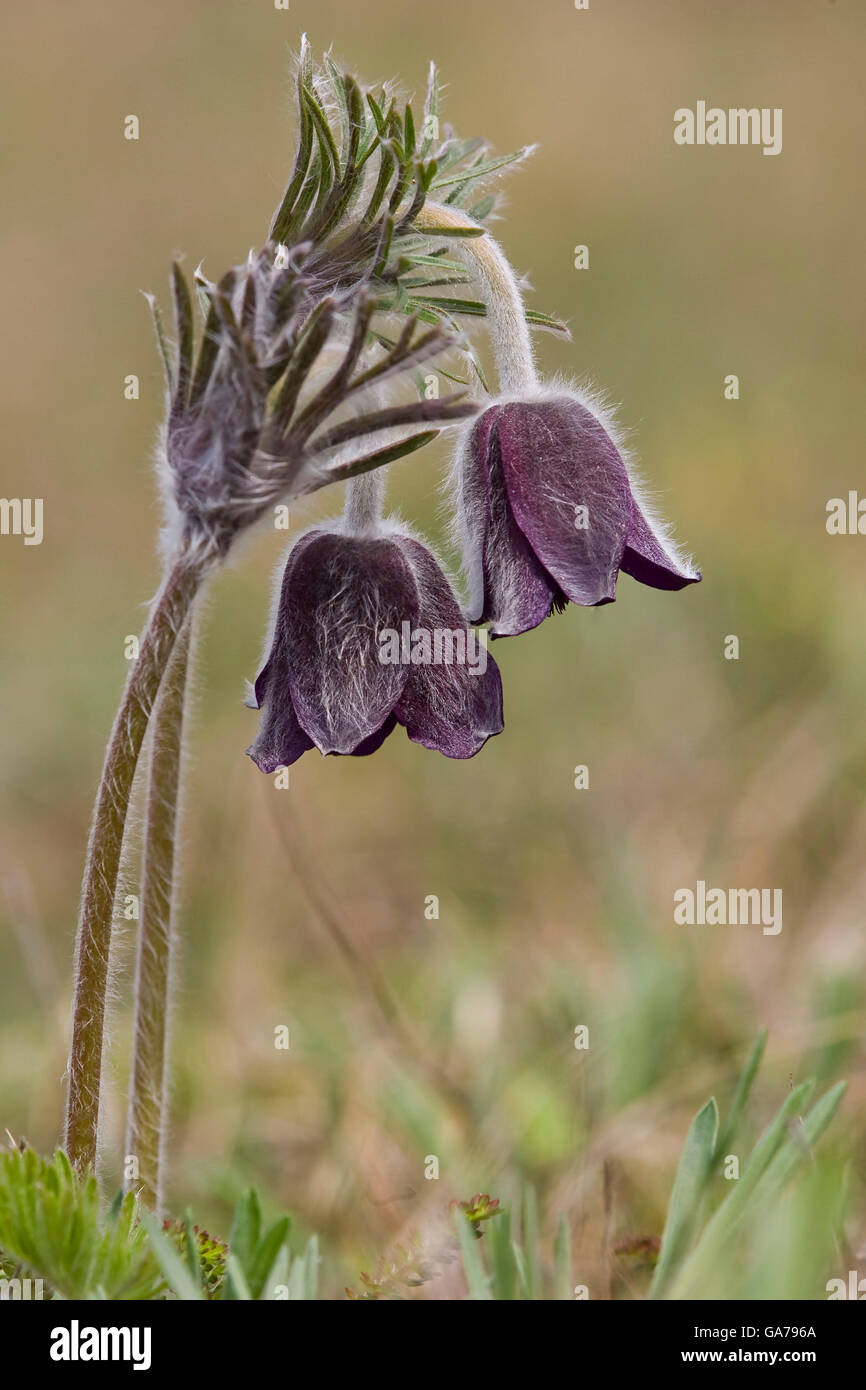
(147, 1113)
(364, 497)
(490, 269)
(93, 943)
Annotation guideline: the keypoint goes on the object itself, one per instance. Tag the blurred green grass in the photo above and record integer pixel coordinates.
(555, 905)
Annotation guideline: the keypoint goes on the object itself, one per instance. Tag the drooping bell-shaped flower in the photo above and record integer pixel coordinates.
(548, 513)
(367, 634)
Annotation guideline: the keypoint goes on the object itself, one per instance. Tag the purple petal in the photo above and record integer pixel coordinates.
(280, 740)
(455, 705)
(343, 592)
(375, 741)
(556, 459)
(338, 594)
(649, 560)
(512, 589)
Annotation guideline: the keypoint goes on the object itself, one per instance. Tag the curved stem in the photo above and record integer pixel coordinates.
(489, 267)
(147, 1113)
(364, 497)
(103, 858)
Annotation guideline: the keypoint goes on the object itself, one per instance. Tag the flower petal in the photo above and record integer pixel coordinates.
(569, 491)
(651, 560)
(338, 594)
(375, 741)
(345, 591)
(510, 588)
(280, 740)
(454, 704)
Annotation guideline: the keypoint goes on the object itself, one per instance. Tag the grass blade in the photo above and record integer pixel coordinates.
(690, 1182)
(175, 1270)
(473, 1266)
(562, 1261)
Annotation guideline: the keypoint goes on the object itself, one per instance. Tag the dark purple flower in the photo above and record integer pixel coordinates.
(548, 513)
(368, 634)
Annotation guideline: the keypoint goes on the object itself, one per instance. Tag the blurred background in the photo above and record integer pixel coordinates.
(455, 1037)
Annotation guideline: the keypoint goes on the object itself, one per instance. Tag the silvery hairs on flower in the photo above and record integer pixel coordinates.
(324, 683)
(547, 507)
(550, 511)
(260, 414)
(256, 413)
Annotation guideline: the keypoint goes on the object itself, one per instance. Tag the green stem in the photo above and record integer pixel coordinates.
(103, 858)
(147, 1113)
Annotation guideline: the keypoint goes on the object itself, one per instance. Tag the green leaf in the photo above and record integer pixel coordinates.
(537, 320)
(283, 215)
(438, 262)
(435, 314)
(502, 1258)
(191, 1248)
(458, 151)
(521, 1267)
(183, 322)
(431, 110)
(722, 1225)
(323, 129)
(409, 140)
(367, 462)
(455, 231)
(311, 1268)
(176, 1272)
(162, 340)
(337, 84)
(262, 1261)
(741, 1095)
(562, 1260)
(52, 1225)
(477, 1277)
(246, 1229)
(472, 307)
(483, 209)
(237, 1289)
(690, 1183)
(387, 166)
(278, 1274)
(531, 1243)
(797, 1147)
(484, 168)
(378, 117)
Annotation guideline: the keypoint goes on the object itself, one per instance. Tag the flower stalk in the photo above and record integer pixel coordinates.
(148, 1098)
(170, 611)
(497, 284)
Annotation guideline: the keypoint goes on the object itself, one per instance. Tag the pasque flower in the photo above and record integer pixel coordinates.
(293, 377)
(296, 376)
(548, 513)
(545, 506)
(325, 683)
